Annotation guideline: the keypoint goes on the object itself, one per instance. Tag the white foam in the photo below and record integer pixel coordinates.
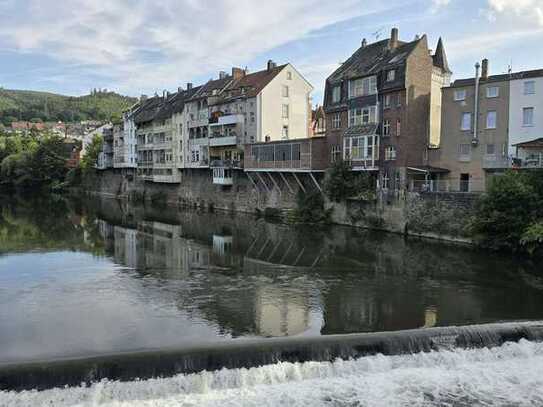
(509, 375)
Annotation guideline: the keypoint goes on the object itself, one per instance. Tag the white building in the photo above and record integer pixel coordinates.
(125, 141)
(525, 109)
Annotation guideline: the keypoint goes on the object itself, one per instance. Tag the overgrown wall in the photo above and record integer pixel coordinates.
(437, 215)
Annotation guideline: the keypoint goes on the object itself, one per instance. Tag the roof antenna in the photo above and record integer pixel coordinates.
(377, 34)
(510, 68)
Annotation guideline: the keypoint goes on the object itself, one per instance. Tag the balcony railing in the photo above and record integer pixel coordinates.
(226, 164)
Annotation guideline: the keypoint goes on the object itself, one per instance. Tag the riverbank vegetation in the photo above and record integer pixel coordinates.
(33, 161)
(342, 183)
(510, 215)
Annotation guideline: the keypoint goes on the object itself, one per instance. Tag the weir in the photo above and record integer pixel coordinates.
(43, 375)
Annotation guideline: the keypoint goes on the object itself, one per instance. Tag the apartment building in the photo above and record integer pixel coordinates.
(383, 108)
(198, 121)
(125, 141)
(526, 118)
(156, 158)
(265, 106)
(489, 124)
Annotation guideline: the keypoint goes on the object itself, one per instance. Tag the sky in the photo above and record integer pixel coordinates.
(144, 46)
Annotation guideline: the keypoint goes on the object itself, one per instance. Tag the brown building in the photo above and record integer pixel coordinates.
(383, 108)
(473, 144)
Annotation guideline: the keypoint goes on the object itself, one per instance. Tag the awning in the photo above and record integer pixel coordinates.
(537, 143)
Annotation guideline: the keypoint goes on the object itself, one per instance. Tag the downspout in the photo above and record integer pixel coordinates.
(475, 140)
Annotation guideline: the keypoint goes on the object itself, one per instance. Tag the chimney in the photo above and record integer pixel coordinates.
(165, 94)
(271, 65)
(237, 73)
(180, 89)
(222, 75)
(364, 42)
(393, 39)
(143, 98)
(484, 69)
(189, 85)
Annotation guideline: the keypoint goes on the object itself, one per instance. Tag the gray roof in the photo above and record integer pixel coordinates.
(364, 130)
(157, 108)
(373, 58)
(440, 57)
(499, 78)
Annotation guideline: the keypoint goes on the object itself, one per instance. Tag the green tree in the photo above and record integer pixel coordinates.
(341, 183)
(512, 203)
(90, 159)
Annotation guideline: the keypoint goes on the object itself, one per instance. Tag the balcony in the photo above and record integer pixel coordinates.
(223, 176)
(220, 141)
(307, 155)
(226, 164)
(228, 120)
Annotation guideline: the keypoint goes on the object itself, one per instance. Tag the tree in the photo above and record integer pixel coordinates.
(90, 159)
(512, 203)
(341, 183)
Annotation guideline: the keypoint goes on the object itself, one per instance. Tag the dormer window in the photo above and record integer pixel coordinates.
(391, 75)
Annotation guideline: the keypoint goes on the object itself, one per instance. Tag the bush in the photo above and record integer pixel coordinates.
(341, 183)
(511, 205)
(310, 208)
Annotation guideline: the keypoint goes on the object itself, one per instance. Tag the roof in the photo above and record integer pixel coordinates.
(440, 57)
(251, 84)
(364, 130)
(537, 143)
(500, 78)
(372, 58)
(212, 85)
(158, 108)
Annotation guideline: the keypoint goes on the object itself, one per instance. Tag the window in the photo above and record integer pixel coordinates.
(398, 127)
(386, 128)
(528, 116)
(336, 94)
(285, 133)
(363, 87)
(252, 114)
(388, 100)
(491, 120)
(492, 92)
(289, 75)
(529, 87)
(390, 153)
(285, 111)
(336, 153)
(361, 116)
(360, 148)
(490, 149)
(285, 91)
(466, 122)
(336, 121)
(391, 75)
(399, 100)
(464, 152)
(460, 95)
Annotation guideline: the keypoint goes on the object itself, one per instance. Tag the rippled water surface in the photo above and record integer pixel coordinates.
(86, 278)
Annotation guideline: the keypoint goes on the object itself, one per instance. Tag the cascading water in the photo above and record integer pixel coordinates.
(452, 365)
(511, 374)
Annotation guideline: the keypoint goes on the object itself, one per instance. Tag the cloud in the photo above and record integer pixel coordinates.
(146, 44)
(528, 10)
(437, 4)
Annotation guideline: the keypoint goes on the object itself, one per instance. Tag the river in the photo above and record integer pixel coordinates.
(89, 277)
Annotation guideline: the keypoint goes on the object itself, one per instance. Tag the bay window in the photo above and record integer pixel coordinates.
(361, 116)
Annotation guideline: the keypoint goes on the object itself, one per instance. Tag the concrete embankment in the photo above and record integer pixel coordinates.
(443, 216)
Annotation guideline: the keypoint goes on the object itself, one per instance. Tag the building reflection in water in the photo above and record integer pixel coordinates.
(253, 278)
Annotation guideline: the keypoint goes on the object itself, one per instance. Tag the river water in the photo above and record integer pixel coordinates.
(92, 277)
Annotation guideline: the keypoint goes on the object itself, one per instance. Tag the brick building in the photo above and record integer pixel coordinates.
(383, 108)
